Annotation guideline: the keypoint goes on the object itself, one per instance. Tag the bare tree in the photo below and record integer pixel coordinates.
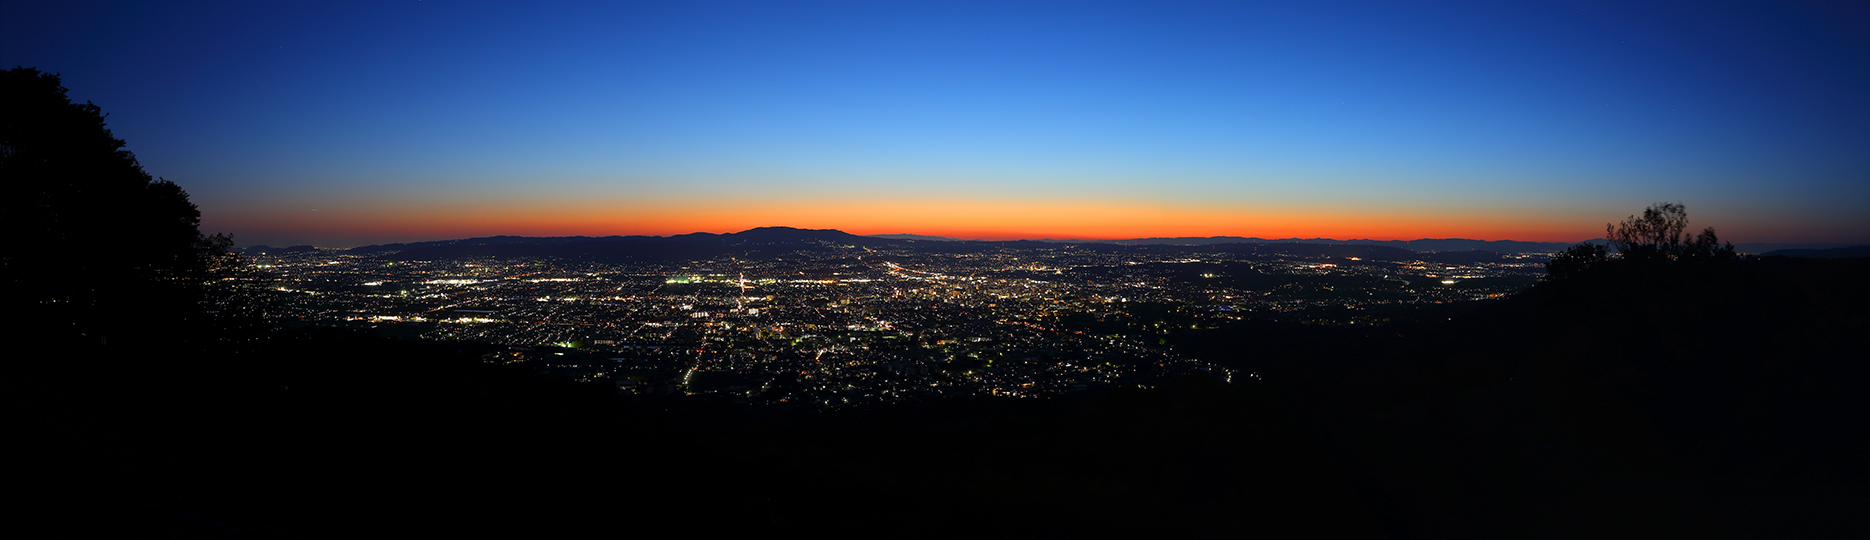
(1658, 236)
(1661, 234)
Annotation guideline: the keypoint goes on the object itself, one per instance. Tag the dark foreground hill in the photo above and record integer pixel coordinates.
(326, 433)
(1711, 401)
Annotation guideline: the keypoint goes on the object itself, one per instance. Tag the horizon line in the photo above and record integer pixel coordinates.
(1032, 238)
(937, 237)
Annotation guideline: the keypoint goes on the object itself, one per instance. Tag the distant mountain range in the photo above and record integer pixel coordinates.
(1832, 253)
(778, 241)
(773, 241)
(752, 242)
(1426, 244)
(278, 251)
(1421, 245)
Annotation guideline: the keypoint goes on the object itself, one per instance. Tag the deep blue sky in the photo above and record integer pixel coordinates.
(338, 124)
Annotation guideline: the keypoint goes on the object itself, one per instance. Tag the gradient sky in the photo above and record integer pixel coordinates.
(339, 124)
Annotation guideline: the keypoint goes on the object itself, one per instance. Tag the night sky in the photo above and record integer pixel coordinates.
(342, 124)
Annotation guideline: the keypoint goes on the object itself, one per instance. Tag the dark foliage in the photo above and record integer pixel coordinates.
(1735, 371)
(1655, 242)
(70, 187)
(1660, 234)
(1576, 261)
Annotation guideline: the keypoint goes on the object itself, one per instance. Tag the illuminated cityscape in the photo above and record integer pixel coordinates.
(908, 270)
(837, 326)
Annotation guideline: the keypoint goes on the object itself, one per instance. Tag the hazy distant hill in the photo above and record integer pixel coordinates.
(491, 240)
(1384, 253)
(917, 237)
(619, 249)
(754, 242)
(277, 251)
(1833, 253)
(1422, 245)
(772, 241)
(626, 248)
(783, 236)
(1425, 244)
(1463, 257)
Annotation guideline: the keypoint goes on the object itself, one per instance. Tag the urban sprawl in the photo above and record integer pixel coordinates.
(850, 327)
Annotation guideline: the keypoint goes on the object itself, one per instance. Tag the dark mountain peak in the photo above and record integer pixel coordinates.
(697, 237)
(791, 231)
(792, 235)
(919, 237)
(783, 228)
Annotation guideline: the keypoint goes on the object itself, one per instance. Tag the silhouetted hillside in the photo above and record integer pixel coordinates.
(328, 433)
(325, 432)
(1663, 397)
(1707, 400)
(1698, 395)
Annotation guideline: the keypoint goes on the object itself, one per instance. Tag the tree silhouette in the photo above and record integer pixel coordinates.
(1656, 238)
(1661, 234)
(99, 249)
(1576, 261)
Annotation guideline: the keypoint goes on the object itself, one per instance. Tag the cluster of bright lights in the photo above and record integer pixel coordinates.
(386, 318)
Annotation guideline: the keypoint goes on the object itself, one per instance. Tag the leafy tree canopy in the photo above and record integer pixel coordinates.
(99, 249)
(1657, 237)
(1661, 233)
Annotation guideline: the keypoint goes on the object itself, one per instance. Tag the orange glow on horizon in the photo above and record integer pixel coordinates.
(953, 218)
